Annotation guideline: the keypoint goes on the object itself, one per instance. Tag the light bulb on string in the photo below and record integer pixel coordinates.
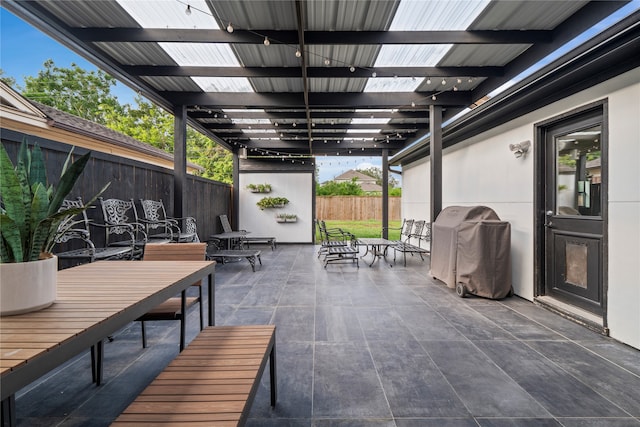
(188, 10)
(444, 82)
(374, 74)
(266, 41)
(433, 97)
(327, 62)
(428, 81)
(229, 28)
(352, 69)
(298, 53)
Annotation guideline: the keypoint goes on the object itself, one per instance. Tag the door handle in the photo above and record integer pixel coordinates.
(548, 223)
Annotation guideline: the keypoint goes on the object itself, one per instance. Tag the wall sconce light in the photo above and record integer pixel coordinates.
(520, 149)
(242, 153)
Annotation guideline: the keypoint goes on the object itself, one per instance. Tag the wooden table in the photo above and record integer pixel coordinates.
(94, 301)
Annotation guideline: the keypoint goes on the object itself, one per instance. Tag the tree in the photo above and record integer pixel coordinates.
(376, 172)
(88, 95)
(10, 81)
(332, 188)
(85, 94)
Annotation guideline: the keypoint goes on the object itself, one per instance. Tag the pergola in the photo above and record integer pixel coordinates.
(300, 78)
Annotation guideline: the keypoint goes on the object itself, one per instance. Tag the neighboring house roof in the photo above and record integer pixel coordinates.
(366, 182)
(350, 174)
(14, 106)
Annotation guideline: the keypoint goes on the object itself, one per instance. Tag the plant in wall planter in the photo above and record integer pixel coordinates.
(30, 217)
(259, 188)
(286, 217)
(272, 202)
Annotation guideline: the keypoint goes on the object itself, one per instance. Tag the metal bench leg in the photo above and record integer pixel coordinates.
(8, 412)
(96, 362)
(201, 307)
(252, 261)
(144, 335)
(273, 375)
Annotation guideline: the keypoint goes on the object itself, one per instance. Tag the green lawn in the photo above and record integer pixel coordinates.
(364, 228)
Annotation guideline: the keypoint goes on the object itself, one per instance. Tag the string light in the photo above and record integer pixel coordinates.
(266, 41)
(188, 10)
(230, 28)
(352, 69)
(298, 53)
(444, 82)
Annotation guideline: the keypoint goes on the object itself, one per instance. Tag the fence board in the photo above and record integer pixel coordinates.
(355, 208)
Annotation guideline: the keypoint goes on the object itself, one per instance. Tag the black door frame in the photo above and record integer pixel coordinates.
(540, 173)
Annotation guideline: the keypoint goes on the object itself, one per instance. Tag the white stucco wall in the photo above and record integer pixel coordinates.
(297, 187)
(483, 171)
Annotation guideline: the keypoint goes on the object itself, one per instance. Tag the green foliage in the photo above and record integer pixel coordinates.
(272, 202)
(30, 209)
(260, 188)
(8, 80)
(74, 90)
(88, 95)
(332, 188)
(395, 192)
(376, 172)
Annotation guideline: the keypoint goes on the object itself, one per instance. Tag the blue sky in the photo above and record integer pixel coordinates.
(17, 62)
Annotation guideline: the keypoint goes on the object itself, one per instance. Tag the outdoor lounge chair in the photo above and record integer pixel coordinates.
(171, 308)
(240, 242)
(330, 238)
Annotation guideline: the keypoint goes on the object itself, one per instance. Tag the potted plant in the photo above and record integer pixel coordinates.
(30, 216)
(259, 188)
(284, 217)
(272, 202)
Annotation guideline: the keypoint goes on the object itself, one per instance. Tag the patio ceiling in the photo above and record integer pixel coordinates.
(306, 77)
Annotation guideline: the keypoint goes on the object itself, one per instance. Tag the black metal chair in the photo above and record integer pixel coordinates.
(159, 225)
(330, 238)
(75, 243)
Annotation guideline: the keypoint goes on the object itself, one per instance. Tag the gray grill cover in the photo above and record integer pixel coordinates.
(470, 245)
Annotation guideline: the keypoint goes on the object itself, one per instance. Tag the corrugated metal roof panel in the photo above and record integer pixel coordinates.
(526, 15)
(107, 14)
(436, 15)
(481, 55)
(342, 55)
(336, 85)
(256, 14)
(277, 85)
(274, 55)
(340, 15)
(137, 53)
(173, 83)
(170, 14)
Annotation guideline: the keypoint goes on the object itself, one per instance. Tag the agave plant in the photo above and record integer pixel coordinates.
(30, 213)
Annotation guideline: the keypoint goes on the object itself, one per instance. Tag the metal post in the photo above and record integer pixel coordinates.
(385, 193)
(179, 159)
(435, 125)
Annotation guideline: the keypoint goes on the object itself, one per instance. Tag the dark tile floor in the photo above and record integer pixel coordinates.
(382, 347)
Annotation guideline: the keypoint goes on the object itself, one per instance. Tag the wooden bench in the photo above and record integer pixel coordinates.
(213, 382)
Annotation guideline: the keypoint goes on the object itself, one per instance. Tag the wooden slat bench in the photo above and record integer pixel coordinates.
(213, 382)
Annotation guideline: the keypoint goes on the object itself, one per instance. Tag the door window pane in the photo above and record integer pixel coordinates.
(578, 172)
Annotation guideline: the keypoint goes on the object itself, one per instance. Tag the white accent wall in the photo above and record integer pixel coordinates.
(297, 187)
(483, 171)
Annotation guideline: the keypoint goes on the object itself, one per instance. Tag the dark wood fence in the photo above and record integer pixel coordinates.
(204, 199)
(355, 208)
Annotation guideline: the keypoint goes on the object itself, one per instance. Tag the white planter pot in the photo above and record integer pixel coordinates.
(28, 286)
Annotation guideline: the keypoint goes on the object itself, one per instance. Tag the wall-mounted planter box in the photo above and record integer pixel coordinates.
(272, 202)
(282, 218)
(259, 188)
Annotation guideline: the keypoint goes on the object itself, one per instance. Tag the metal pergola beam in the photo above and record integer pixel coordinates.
(316, 99)
(312, 72)
(419, 115)
(290, 37)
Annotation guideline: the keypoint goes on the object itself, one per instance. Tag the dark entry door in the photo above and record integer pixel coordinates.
(573, 207)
